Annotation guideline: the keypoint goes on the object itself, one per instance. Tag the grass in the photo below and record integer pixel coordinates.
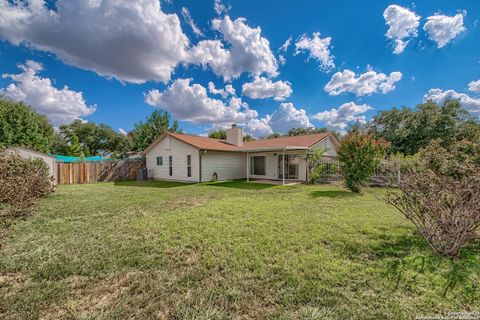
(225, 250)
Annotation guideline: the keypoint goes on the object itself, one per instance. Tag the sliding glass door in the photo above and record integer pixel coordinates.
(291, 166)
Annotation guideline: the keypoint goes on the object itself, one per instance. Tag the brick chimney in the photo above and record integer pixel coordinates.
(235, 135)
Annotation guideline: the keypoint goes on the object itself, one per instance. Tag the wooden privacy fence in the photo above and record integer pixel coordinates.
(90, 172)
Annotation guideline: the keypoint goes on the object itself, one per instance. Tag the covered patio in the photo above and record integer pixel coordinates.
(277, 165)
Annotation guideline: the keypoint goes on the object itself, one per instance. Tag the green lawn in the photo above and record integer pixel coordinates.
(227, 250)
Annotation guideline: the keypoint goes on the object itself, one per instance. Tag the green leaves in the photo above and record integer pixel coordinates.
(20, 125)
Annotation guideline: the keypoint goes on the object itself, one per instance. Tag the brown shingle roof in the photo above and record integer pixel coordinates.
(206, 143)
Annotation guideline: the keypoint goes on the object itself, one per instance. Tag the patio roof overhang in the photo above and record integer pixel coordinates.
(286, 148)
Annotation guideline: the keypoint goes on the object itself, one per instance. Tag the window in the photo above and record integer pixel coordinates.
(170, 166)
(159, 161)
(258, 165)
(189, 165)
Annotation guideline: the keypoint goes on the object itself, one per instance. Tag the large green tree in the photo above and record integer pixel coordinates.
(409, 130)
(20, 125)
(144, 133)
(91, 139)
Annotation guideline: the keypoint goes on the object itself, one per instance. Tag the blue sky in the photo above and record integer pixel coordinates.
(145, 56)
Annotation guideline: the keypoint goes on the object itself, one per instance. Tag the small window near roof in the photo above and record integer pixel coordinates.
(159, 161)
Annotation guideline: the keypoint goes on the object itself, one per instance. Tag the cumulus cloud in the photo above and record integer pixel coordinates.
(61, 106)
(443, 29)
(365, 84)
(133, 41)
(229, 90)
(122, 131)
(285, 45)
(403, 24)
(338, 119)
(248, 51)
(189, 20)
(474, 86)
(262, 88)
(220, 8)
(281, 120)
(317, 48)
(439, 96)
(190, 102)
(259, 127)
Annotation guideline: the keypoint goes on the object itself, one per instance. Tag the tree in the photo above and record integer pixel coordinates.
(21, 126)
(144, 133)
(303, 131)
(273, 135)
(247, 138)
(218, 134)
(359, 155)
(409, 130)
(440, 194)
(91, 139)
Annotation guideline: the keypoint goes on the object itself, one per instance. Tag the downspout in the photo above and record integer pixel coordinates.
(200, 154)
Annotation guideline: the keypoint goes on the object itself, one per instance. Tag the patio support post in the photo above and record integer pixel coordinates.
(283, 167)
(248, 168)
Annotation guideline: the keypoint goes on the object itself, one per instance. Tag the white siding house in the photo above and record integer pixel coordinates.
(29, 154)
(182, 157)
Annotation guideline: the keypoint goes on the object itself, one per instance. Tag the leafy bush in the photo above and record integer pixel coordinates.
(22, 182)
(359, 156)
(441, 196)
(316, 167)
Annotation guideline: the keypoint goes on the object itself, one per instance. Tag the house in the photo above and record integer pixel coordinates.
(48, 159)
(184, 157)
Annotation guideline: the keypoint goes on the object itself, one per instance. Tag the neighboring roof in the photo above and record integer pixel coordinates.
(205, 143)
(69, 159)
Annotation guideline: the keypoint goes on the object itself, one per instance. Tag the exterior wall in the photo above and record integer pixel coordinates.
(328, 145)
(50, 161)
(179, 150)
(272, 164)
(227, 165)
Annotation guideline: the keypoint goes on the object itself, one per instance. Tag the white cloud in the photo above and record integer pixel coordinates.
(133, 41)
(248, 51)
(365, 84)
(338, 119)
(474, 86)
(122, 131)
(190, 102)
(281, 120)
(318, 49)
(219, 7)
(61, 106)
(402, 23)
(287, 117)
(189, 20)
(285, 45)
(229, 90)
(439, 97)
(259, 127)
(282, 59)
(443, 29)
(262, 88)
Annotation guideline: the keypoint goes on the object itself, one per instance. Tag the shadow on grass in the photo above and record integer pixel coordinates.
(151, 184)
(240, 184)
(333, 194)
(409, 257)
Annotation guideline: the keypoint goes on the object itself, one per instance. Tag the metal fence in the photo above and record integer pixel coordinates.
(388, 173)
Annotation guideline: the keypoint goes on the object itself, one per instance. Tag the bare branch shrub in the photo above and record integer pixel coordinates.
(22, 183)
(440, 194)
